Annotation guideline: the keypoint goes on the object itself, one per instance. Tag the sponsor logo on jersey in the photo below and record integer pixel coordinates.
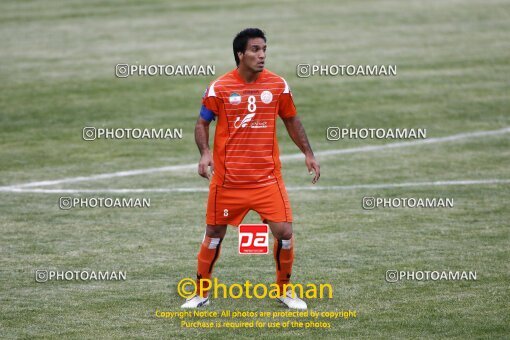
(258, 125)
(234, 98)
(242, 123)
(266, 97)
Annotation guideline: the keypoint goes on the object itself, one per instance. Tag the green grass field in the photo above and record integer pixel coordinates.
(57, 72)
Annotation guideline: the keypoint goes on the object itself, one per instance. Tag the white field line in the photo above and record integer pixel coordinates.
(301, 188)
(361, 149)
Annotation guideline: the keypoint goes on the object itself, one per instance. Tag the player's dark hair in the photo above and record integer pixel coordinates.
(241, 40)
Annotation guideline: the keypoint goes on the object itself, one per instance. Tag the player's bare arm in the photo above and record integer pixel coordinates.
(297, 133)
(202, 140)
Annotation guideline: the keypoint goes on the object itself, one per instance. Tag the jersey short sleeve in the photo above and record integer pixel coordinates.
(210, 101)
(286, 107)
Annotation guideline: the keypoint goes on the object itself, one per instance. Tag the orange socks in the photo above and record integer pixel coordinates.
(207, 256)
(283, 252)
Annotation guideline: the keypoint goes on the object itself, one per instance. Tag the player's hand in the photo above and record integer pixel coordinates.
(313, 167)
(204, 164)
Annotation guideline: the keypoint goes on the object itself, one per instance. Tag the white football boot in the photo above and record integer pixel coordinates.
(292, 302)
(196, 301)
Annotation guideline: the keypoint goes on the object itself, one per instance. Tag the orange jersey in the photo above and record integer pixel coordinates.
(245, 150)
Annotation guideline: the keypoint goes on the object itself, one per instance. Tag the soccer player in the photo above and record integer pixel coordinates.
(245, 166)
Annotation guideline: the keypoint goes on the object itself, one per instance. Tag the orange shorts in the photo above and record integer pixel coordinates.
(230, 205)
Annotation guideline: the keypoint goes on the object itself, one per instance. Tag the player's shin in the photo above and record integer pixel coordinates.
(283, 251)
(207, 256)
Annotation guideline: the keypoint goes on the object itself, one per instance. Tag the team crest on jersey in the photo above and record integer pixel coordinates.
(266, 97)
(234, 98)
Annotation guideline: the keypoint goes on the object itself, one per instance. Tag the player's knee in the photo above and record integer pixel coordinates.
(281, 230)
(284, 234)
(287, 235)
(216, 231)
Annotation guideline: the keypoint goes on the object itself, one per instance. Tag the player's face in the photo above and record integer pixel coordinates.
(255, 55)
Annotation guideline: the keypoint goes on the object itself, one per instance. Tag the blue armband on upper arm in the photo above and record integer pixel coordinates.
(206, 114)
